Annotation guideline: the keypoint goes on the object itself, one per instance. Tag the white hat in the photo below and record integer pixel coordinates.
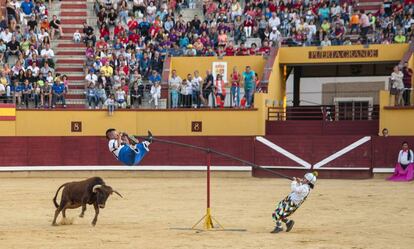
(311, 177)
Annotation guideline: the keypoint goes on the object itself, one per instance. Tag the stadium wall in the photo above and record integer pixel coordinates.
(214, 122)
(398, 120)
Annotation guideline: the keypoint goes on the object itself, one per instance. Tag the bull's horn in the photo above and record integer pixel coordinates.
(116, 192)
(96, 187)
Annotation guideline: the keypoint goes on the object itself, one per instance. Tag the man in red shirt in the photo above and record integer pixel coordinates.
(265, 49)
(243, 50)
(132, 24)
(101, 44)
(134, 36)
(118, 29)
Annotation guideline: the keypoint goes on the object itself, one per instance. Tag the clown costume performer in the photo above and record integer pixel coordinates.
(300, 191)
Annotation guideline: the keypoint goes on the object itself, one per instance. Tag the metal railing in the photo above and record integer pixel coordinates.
(324, 113)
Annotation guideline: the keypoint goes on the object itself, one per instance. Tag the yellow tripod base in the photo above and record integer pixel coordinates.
(208, 222)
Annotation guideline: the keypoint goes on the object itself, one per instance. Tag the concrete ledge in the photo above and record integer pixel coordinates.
(124, 174)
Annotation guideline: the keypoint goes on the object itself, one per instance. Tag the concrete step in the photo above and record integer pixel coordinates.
(75, 96)
(68, 30)
(73, 21)
(80, 50)
(69, 69)
(74, 13)
(74, 6)
(72, 45)
(77, 1)
(75, 91)
(61, 62)
(76, 77)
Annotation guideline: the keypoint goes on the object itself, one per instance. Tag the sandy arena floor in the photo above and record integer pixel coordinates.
(338, 214)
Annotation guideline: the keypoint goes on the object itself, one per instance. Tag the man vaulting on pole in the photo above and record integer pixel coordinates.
(127, 149)
(300, 191)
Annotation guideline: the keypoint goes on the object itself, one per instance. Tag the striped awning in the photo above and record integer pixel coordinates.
(7, 112)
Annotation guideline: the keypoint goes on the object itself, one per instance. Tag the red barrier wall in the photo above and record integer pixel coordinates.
(51, 151)
(379, 152)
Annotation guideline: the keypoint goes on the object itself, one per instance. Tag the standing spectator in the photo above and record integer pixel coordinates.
(354, 22)
(220, 91)
(186, 94)
(196, 83)
(208, 88)
(235, 88)
(155, 94)
(249, 85)
(55, 26)
(58, 93)
(397, 85)
(404, 169)
(365, 25)
(174, 85)
(408, 73)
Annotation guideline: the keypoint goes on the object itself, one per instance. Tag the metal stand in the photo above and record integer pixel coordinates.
(208, 218)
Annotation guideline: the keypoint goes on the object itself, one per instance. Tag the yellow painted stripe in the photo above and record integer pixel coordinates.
(7, 112)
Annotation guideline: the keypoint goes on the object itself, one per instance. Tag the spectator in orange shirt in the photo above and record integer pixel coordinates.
(45, 24)
(354, 22)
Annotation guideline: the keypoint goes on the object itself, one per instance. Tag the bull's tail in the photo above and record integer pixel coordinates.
(54, 198)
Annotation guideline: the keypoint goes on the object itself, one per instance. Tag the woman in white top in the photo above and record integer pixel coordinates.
(404, 170)
(397, 83)
(155, 94)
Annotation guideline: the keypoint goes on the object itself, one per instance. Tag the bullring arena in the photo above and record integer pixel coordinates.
(243, 113)
(338, 214)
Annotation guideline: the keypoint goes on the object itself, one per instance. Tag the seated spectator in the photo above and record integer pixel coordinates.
(155, 77)
(77, 37)
(120, 97)
(3, 49)
(404, 169)
(58, 93)
(13, 48)
(88, 35)
(137, 93)
(110, 103)
(48, 56)
(55, 27)
(27, 8)
(100, 96)
(91, 96)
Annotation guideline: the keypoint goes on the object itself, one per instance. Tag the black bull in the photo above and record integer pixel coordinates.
(92, 191)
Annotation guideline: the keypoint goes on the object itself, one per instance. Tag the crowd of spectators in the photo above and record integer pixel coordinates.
(125, 56)
(27, 61)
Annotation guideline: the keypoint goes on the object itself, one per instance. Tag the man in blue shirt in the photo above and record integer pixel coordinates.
(154, 77)
(249, 85)
(58, 91)
(27, 9)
